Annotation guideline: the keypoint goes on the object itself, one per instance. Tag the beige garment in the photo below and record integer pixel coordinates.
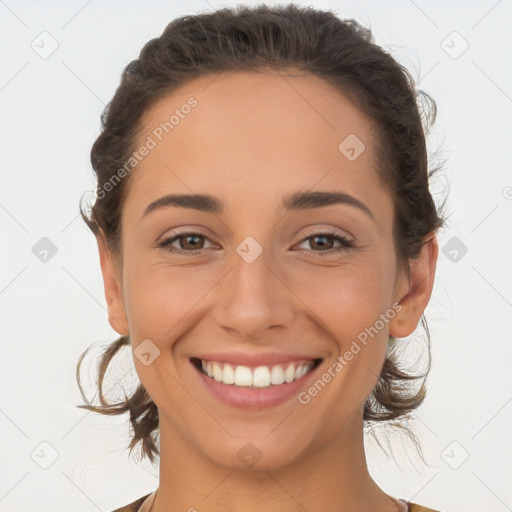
(136, 505)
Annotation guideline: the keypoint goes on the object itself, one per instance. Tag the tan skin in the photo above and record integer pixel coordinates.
(251, 140)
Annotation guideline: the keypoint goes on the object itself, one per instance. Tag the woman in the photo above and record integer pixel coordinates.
(265, 231)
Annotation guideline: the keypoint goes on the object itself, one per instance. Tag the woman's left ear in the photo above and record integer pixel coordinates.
(418, 289)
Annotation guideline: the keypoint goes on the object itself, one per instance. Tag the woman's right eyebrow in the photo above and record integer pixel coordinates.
(202, 202)
(297, 201)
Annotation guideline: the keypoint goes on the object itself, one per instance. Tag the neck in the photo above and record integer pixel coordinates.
(334, 477)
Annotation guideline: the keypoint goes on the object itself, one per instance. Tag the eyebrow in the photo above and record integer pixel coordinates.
(293, 202)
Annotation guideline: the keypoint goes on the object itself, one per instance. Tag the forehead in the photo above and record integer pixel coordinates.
(265, 133)
(298, 106)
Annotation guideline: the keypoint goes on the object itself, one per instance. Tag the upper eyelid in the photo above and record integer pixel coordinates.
(328, 232)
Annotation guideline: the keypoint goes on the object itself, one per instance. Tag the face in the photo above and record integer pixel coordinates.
(258, 276)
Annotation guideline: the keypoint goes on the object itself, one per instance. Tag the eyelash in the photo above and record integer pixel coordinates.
(346, 244)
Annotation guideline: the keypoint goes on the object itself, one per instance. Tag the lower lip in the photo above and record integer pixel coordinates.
(254, 398)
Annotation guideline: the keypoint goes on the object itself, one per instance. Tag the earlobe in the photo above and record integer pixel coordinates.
(113, 290)
(420, 284)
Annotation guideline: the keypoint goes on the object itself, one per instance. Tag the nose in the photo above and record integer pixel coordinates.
(253, 299)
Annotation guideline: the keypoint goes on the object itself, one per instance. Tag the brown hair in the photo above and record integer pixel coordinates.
(343, 53)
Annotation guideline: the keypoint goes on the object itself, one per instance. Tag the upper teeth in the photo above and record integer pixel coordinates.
(261, 376)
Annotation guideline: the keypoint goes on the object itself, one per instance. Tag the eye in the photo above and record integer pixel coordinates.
(321, 240)
(190, 243)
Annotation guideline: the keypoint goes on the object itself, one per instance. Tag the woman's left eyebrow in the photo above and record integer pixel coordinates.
(293, 202)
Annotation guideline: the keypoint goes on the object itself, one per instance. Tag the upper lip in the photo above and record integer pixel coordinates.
(254, 360)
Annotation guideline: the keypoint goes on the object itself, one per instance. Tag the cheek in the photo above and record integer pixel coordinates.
(352, 303)
(162, 301)
(348, 299)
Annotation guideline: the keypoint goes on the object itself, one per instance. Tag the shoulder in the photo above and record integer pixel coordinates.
(414, 507)
(132, 507)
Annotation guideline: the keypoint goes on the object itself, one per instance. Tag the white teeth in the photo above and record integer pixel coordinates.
(228, 376)
(217, 372)
(289, 374)
(301, 371)
(260, 377)
(243, 376)
(276, 375)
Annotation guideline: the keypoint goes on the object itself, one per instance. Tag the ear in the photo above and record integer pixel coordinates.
(113, 290)
(414, 295)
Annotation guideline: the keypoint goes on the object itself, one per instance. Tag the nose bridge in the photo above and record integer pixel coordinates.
(253, 298)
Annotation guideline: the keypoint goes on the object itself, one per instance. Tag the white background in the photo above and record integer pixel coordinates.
(50, 312)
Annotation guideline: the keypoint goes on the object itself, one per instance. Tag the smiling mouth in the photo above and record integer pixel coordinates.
(263, 376)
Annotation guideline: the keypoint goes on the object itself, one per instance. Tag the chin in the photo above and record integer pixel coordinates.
(254, 455)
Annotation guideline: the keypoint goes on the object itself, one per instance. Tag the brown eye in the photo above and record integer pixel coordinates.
(320, 243)
(188, 243)
(323, 243)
